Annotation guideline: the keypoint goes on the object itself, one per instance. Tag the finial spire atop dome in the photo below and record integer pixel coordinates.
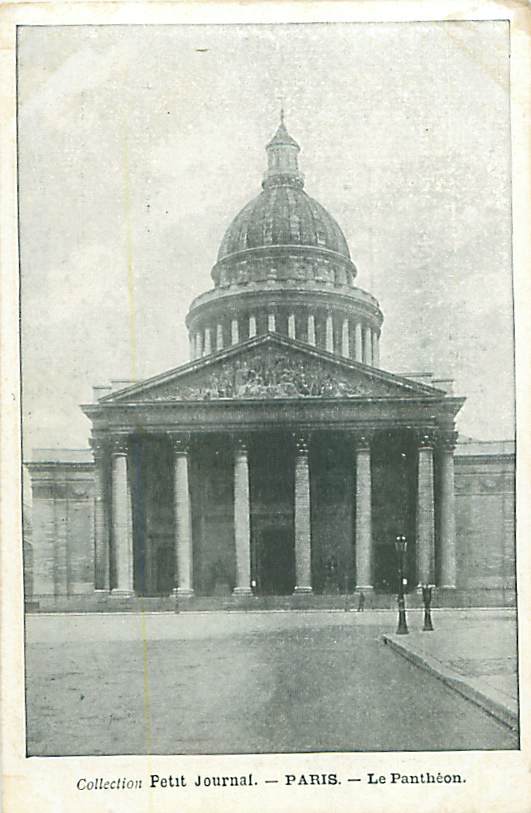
(282, 163)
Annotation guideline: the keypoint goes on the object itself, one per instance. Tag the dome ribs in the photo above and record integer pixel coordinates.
(283, 214)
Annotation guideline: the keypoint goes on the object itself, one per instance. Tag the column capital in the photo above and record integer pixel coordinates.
(180, 442)
(99, 446)
(241, 445)
(119, 445)
(426, 438)
(447, 439)
(302, 442)
(363, 440)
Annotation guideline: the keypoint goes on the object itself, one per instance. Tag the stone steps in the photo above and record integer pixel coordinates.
(103, 602)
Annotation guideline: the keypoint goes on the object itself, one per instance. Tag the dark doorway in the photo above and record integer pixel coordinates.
(275, 561)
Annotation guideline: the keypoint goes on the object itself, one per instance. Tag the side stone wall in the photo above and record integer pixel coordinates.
(62, 524)
(485, 519)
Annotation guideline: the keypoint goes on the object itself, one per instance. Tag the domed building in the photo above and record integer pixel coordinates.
(284, 266)
(281, 463)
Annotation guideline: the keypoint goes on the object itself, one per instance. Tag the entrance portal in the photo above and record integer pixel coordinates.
(275, 561)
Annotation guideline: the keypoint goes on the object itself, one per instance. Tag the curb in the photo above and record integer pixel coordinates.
(496, 708)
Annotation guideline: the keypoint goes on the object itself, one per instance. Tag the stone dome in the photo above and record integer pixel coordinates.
(284, 267)
(283, 215)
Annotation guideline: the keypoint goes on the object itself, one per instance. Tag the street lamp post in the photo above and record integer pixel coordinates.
(426, 597)
(401, 548)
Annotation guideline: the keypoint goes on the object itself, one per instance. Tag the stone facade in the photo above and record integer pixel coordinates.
(64, 498)
(281, 460)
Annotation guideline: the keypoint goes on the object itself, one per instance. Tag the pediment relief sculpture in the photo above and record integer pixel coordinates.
(267, 376)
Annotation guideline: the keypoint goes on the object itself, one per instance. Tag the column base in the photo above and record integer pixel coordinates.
(447, 587)
(364, 588)
(302, 589)
(242, 591)
(102, 591)
(183, 592)
(117, 592)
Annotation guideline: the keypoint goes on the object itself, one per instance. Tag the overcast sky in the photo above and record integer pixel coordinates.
(138, 145)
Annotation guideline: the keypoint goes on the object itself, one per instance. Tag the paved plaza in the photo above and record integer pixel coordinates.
(249, 682)
(475, 655)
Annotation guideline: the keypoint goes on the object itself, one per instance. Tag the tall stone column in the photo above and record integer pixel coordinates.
(242, 519)
(358, 344)
(252, 326)
(363, 541)
(271, 323)
(129, 506)
(303, 545)
(345, 339)
(447, 540)
(182, 517)
(234, 331)
(367, 346)
(191, 346)
(425, 512)
(329, 339)
(311, 329)
(121, 538)
(101, 529)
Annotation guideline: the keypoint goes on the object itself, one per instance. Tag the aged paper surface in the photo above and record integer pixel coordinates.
(198, 608)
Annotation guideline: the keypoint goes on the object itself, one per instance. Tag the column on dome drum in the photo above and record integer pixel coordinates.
(234, 331)
(291, 326)
(345, 337)
(252, 326)
(311, 329)
(367, 345)
(219, 336)
(198, 345)
(375, 349)
(207, 344)
(329, 335)
(358, 342)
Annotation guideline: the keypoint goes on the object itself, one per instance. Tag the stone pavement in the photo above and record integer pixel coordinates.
(473, 653)
(212, 683)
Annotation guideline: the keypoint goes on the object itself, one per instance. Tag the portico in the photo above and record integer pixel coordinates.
(254, 484)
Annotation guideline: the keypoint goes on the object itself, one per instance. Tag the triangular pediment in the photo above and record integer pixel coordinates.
(267, 367)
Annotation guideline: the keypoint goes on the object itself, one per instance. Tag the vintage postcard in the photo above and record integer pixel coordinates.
(264, 408)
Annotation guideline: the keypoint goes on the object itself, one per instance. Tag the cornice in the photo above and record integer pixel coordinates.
(233, 300)
(283, 250)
